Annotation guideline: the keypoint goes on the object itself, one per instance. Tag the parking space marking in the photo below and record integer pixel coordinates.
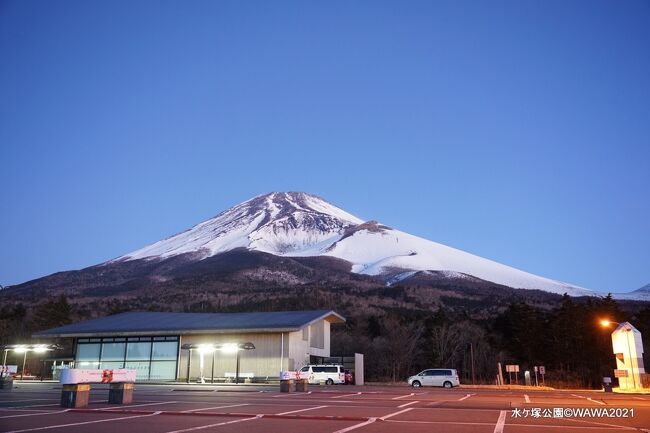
(402, 396)
(34, 414)
(466, 397)
(127, 406)
(601, 424)
(346, 395)
(215, 407)
(596, 401)
(501, 422)
(51, 404)
(408, 404)
(356, 426)
(527, 426)
(390, 415)
(216, 425)
(301, 410)
(288, 394)
(83, 423)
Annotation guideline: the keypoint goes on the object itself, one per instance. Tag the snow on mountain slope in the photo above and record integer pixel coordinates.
(642, 294)
(379, 252)
(299, 224)
(277, 223)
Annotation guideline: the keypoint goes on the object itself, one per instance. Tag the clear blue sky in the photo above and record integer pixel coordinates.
(518, 131)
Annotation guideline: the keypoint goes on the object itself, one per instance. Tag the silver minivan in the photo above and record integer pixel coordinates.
(445, 377)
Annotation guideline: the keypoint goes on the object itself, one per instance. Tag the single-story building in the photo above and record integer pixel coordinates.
(166, 346)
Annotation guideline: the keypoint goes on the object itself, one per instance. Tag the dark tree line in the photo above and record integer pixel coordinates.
(567, 340)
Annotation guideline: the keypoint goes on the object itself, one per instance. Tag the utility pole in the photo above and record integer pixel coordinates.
(471, 353)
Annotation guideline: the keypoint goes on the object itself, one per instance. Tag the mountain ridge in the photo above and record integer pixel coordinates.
(298, 224)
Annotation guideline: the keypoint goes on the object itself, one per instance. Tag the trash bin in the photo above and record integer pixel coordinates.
(302, 385)
(607, 384)
(288, 385)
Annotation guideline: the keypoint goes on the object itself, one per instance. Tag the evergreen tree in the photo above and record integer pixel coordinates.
(53, 313)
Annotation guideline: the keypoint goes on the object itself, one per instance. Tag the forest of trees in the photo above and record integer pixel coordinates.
(566, 339)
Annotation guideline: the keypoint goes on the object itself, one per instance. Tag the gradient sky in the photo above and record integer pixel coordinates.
(515, 130)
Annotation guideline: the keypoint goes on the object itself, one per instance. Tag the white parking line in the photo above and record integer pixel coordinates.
(408, 404)
(346, 395)
(84, 423)
(287, 394)
(601, 424)
(217, 424)
(390, 415)
(356, 426)
(466, 397)
(402, 396)
(531, 426)
(527, 398)
(214, 407)
(127, 406)
(501, 422)
(588, 398)
(301, 410)
(34, 414)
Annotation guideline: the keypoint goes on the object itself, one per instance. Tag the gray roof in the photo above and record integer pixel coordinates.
(152, 323)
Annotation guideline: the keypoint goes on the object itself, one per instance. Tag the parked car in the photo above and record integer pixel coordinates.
(349, 377)
(330, 374)
(445, 377)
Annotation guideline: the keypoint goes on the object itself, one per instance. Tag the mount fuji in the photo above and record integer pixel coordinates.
(301, 225)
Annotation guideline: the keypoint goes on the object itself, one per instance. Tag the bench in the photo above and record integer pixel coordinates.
(248, 377)
(76, 386)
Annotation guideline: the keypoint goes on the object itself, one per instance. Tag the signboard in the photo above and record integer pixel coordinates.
(6, 370)
(542, 370)
(620, 373)
(293, 375)
(512, 368)
(76, 375)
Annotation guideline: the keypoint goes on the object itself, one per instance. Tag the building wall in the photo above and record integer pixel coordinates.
(264, 360)
(301, 344)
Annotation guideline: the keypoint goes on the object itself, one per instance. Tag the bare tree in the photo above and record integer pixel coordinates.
(401, 346)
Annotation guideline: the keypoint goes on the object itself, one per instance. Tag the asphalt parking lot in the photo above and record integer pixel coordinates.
(335, 409)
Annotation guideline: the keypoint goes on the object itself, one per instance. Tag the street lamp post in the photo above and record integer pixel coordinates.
(24, 348)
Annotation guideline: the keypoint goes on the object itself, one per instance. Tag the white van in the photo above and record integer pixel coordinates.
(446, 377)
(330, 374)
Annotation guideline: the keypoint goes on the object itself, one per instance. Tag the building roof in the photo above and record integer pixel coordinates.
(153, 323)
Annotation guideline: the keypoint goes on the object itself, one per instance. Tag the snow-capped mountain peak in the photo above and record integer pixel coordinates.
(300, 224)
(278, 223)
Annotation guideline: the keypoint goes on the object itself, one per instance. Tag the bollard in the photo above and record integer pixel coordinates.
(287, 385)
(75, 396)
(120, 393)
(302, 385)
